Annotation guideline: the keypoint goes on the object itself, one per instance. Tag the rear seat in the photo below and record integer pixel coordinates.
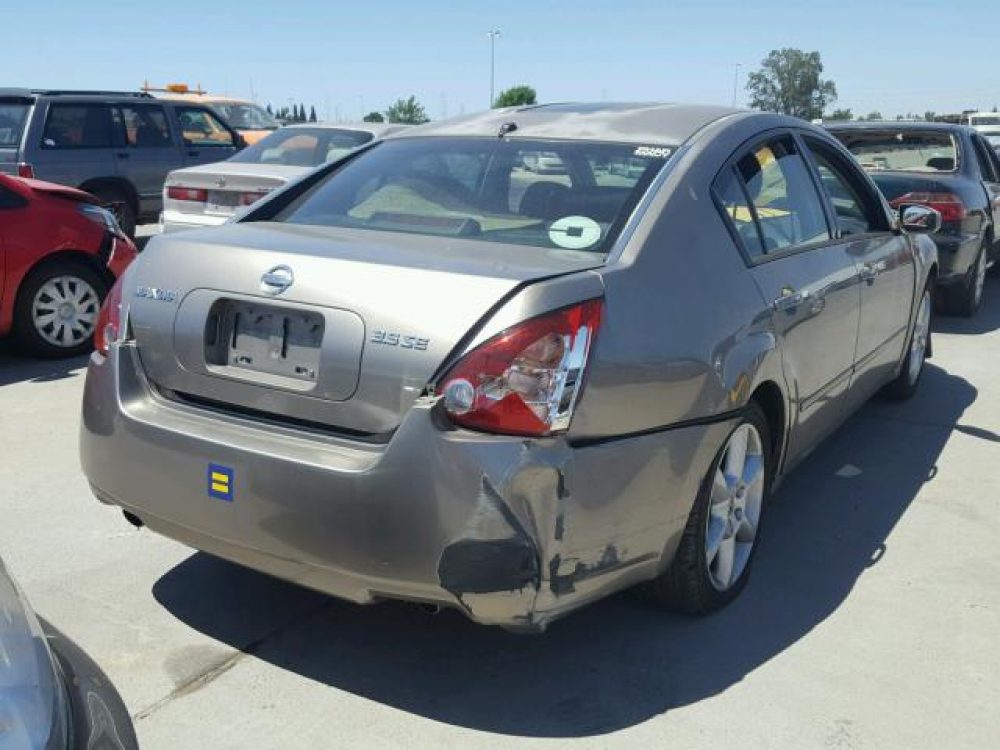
(601, 204)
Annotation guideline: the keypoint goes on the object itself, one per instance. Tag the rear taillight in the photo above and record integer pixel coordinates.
(949, 205)
(25, 170)
(526, 380)
(180, 193)
(109, 320)
(250, 198)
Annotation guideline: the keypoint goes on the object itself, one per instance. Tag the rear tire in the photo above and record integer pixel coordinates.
(917, 348)
(966, 298)
(56, 309)
(697, 581)
(117, 202)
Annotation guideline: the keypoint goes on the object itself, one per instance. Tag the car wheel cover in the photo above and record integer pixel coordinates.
(918, 343)
(64, 311)
(734, 507)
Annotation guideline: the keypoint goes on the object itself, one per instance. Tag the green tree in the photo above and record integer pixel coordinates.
(269, 110)
(789, 82)
(875, 115)
(407, 111)
(930, 115)
(840, 114)
(312, 114)
(516, 96)
(374, 117)
(302, 112)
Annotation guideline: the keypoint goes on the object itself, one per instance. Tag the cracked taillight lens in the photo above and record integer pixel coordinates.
(526, 380)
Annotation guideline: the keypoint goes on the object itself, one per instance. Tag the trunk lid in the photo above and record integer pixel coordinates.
(895, 184)
(350, 344)
(226, 182)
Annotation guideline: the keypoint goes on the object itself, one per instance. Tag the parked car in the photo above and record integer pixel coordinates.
(952, 169)
(52, 695)
(209, 195)
(117, 146)
(394, 379)
(546, 162)
(60, 252)
(986, 124)
(250, 120)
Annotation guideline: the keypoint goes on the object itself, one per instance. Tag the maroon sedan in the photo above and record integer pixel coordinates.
(60, 252)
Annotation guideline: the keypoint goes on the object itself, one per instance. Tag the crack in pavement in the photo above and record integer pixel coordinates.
(219, 668)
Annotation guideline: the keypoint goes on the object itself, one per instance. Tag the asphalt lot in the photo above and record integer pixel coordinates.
(870, 620)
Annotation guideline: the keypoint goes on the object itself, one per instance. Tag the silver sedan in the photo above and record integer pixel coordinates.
(211, 194)
(426, 373)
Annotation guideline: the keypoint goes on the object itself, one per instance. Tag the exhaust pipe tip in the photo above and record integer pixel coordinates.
(133, 519)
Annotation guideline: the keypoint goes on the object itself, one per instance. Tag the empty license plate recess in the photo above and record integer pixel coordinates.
(266, 339)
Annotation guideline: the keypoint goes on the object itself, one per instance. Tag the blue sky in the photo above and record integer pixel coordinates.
(348, 57)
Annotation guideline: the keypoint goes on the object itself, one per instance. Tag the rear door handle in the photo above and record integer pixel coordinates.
(192, 153)
(790, 299)
(123, 154)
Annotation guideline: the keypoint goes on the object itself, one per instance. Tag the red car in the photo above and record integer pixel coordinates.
(60, 253)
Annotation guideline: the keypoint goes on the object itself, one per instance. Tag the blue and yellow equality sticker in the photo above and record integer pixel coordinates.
(221, 480)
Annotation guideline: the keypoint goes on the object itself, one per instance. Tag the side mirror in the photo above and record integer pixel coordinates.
(240, 141)
(917, 219)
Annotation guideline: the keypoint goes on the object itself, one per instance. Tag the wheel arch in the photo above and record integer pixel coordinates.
(771, 399)
(96, 184)
(67, 256)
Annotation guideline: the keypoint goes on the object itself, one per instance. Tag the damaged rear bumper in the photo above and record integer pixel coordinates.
(515, 532)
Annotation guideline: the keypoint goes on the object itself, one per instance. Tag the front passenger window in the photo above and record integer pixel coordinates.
(788, 208)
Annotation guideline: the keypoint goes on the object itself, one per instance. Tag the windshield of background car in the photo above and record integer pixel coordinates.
(302, 147)
(906, 151)
(12, 118)
(569, 195)
(247, 116)
(976, 120)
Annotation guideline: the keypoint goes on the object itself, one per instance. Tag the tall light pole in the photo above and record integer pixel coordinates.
(736, 81)
(492, 34)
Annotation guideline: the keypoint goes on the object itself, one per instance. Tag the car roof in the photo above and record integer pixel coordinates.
(943, 127)
(375, 128)
(31, 93)
(649, 123)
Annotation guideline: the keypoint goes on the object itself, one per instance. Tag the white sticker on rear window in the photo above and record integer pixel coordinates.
(653, 152)
(575, 232)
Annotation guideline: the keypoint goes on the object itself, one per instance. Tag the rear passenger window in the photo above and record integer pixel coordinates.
(855, 211)
(77, 126)
(983, 157)
(788, 209)
(145, 126)
(737, 207)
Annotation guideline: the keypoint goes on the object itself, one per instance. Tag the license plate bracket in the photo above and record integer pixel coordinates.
(266, 339)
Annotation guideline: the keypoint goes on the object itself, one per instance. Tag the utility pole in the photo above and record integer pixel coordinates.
(736, 81)
(492, 34)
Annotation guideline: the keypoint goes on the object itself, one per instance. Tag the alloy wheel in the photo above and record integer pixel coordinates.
(64, 311)
(918, 344)
(735, 505)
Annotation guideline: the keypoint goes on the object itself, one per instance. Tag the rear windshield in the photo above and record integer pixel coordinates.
(303, 147)
(907, 151)
(570, 195)
(984, 120)
(246, 116)
(12, 118)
